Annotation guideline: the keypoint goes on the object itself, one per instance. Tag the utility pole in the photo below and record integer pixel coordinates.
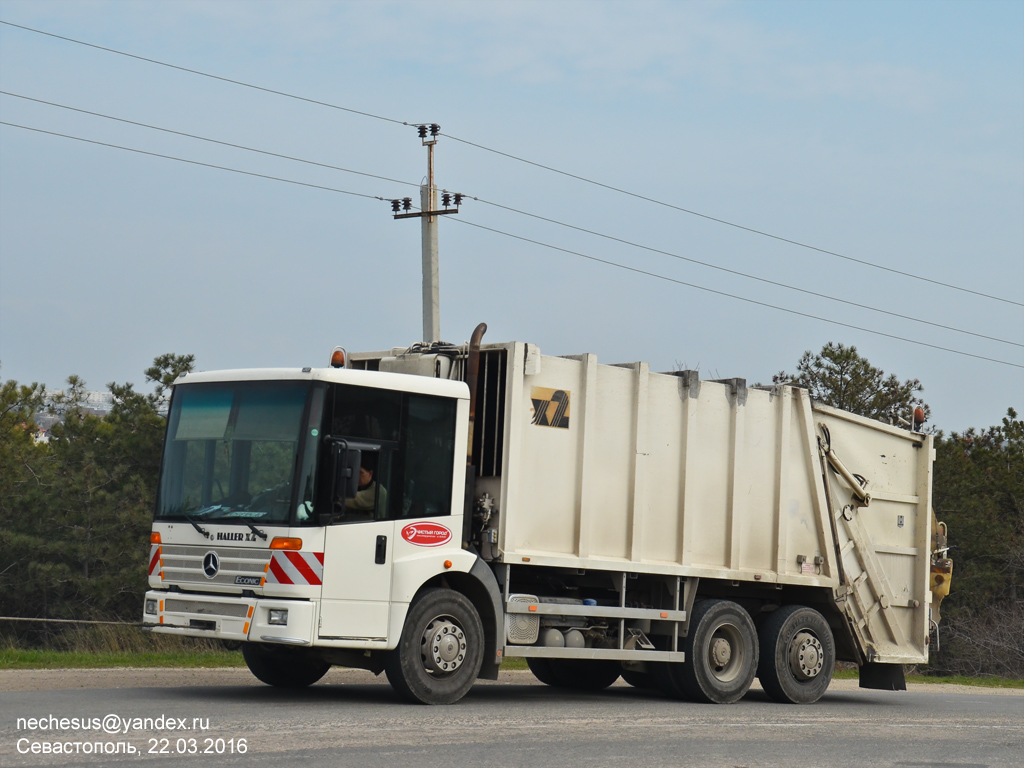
(428, 214)
(428, 225)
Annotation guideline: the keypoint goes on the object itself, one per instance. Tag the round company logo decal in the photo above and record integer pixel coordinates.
(426, 534)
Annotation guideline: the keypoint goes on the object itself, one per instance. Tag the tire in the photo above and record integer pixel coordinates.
(440, 651)
(283, 667)
(721, 654)
(798, 655)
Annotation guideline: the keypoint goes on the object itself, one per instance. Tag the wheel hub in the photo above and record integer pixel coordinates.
(721, 652)
(806, 656)
(444, 646)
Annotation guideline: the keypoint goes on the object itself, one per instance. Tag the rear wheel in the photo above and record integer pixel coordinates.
(798, 655)
(440, 651)
(721, 654)
(283, 667)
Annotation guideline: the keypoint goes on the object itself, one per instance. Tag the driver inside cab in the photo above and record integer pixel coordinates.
(371, 496)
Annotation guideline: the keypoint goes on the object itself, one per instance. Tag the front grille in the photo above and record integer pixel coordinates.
(177, 563)
(185, 563)
(235, 553)
(173, 605)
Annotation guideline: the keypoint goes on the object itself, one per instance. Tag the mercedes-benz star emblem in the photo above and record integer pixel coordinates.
(211, 564)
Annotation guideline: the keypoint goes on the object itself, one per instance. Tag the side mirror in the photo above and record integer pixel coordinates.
(346, 470)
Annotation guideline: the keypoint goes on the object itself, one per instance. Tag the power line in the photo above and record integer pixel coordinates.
(744, 274)
(730, 223)
(519, 159)
(207, 74)
(212, 141)
(193, 162)
(522, 213)
(527, 240)
(734, 296)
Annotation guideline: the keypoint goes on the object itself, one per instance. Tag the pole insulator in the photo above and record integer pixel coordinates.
(406, 203)
(422, 129)
(434, 129)
(396, 205)
(446, 199)
(458, 199)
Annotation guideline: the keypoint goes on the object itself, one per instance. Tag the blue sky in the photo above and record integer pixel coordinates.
(888, 132)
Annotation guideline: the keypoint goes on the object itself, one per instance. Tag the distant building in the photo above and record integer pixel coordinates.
(99, 403)
(93, 403)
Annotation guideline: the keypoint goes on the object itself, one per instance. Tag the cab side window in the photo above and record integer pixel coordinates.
(412, 469)
(372, 415)
(428, 453)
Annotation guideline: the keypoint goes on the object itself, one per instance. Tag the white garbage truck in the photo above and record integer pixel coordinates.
(430, 511)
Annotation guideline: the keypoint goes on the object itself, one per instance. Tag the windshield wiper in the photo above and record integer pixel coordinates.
(198, 527)
(255, 530)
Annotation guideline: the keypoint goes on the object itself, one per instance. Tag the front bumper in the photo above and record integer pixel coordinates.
(227, 617)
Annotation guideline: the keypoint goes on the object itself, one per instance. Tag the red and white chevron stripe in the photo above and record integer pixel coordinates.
(301, 568)
(154, 557)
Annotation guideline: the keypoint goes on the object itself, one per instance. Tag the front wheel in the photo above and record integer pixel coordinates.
(440, 651)
(798, 655)
(721, 654)
(283, 667)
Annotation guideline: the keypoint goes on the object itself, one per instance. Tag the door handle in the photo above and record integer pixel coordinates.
(382, 550)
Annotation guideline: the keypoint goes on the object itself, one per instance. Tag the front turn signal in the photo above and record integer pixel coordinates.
(154, 538)
(281, 542)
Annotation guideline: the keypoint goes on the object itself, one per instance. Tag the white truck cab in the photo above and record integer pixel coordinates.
(262, 533)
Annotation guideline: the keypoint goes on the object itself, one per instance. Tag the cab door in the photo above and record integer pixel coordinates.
(358, 560)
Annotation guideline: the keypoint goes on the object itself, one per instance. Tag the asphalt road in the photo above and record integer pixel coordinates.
(354, 719)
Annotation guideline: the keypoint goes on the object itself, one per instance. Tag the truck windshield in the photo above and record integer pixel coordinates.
(231, 450)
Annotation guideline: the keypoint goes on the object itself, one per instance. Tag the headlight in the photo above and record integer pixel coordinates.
(278, 616)
(151, 607)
